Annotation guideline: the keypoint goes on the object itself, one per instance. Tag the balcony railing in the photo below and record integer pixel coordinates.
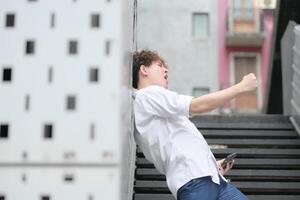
(244, 27)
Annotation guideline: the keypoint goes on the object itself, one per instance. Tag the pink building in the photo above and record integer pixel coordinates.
(245, 31)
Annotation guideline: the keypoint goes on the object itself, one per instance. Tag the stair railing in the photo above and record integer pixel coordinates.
(290, 58)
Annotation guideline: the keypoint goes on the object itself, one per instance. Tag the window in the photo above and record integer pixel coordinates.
(200, 25)
(107, 47)
(52, 20)
(7, 73)
(48, 131)
(243, 9)
(69, 178)
(69, 155)
(92, 131)
(71, 103)
(23, 178)
(27, 102)
(244, 64)
(95, 20)
(50, 74)
(24, 155)
(29, 47)
(4, 128)
(90, 197)
(45, 197)
(73, 47)
(93, 75)
(199, 91)
(10, 20)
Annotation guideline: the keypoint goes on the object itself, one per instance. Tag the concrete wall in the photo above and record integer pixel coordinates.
(88, 155)
(166, 26)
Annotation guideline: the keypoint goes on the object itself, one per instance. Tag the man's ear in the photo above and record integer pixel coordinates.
(144, 70)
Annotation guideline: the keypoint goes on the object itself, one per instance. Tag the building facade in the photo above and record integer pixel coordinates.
(64, 69)
(245, 34)
(185, 33)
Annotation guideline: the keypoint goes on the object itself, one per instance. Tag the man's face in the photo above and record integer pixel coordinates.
(158, 73)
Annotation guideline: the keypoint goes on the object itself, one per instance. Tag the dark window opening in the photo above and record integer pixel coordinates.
(7, 73)
(94, 75)
(4, 128)
(95, 20)
(10, 20)
(45, 197)
(92, 131)
(29, 49)
(24, 155)
(48, 131)
(107, 47)
(50, 74)
(69, 178)
(27, 102)
(73, 47)
(71, 103)
(91, 197)
(24, 178)
(52, 20)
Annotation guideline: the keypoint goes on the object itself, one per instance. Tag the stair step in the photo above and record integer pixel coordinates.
(255, 134)
(244, 125)
(272, 122)
(256, 143)
(251, 197)
(251, 153)
(245, 163)
(234, 175)
(290, 188)
(261, 118)
(257, 153)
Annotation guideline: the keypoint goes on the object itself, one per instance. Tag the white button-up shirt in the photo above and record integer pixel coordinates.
(169, 139)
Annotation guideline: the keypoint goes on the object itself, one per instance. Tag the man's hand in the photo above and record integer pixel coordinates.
(214, 100)
(228, 166)
(248, 83)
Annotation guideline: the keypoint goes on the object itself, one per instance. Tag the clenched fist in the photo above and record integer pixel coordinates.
(249, 83)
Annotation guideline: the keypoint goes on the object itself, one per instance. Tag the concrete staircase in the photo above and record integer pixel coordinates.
(267, 166)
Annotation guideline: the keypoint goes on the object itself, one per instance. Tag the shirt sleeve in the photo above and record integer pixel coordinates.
(164, 103)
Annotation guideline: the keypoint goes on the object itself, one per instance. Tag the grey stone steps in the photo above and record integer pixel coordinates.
(245, 163)
(267, 166)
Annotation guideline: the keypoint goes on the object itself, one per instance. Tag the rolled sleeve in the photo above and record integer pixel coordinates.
(185, 101)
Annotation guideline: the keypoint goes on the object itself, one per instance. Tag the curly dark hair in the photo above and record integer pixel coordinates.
(143, 57)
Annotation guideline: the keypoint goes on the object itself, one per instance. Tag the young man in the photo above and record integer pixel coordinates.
(169, 140)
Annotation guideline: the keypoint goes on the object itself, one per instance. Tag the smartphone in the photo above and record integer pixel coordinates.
(228, 159)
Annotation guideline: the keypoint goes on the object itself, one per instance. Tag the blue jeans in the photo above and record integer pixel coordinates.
(204, 188)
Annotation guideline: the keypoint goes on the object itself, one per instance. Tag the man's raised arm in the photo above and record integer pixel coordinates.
(214, 100)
